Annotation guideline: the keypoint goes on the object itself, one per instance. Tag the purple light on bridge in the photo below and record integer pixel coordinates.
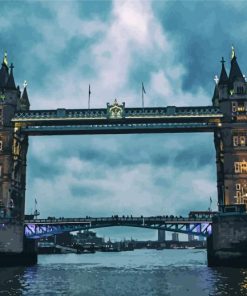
(209, 229)
(37, 231)
(202, 228)
(29, 230)
(206, 228)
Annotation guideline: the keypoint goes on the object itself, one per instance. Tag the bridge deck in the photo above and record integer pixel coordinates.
(129, 120)
(123, 220)
(45, 227)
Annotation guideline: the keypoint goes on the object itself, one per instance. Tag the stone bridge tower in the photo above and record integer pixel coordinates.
(15, 249)
(13, 147)
(230, 96)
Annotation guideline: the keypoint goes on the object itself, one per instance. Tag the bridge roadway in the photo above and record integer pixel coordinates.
(37, 228)
(116, 119)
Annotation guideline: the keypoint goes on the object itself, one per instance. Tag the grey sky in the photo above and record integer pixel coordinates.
(174, 47)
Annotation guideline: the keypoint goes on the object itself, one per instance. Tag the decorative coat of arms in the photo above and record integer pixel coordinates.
(115, 110)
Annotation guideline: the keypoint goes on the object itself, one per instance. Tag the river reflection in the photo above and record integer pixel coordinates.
(142, 272)
(10, 283)
(229, 281)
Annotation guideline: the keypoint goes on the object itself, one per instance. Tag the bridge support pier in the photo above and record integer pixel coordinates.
(27, 257)
(227, 245)
(15, 248)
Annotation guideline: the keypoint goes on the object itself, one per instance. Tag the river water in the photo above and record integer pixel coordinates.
(132, 273)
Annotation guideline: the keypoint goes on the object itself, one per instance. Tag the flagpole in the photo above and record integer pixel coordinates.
(142, 98)
(35, 204)
(143, 91)
(89, 94)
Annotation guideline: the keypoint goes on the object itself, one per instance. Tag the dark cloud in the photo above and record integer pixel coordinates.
(141, 71)
(195, 157)
(195, 205)
(203, 32)
(37, 168)
(20, 36)
(67, 59)
(86, 192)
(191, 152)
(90, 9)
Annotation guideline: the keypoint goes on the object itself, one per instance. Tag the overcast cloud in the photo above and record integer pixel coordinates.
(60, 47)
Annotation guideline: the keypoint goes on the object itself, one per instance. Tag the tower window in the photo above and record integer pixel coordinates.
(238, 194)
(240, 167)
(1, 145)
(235, 140)
(244, 167)
(234, 106)
(237, 167)
(238, 186)
(238, 197)
(240, 107)
(242, 140)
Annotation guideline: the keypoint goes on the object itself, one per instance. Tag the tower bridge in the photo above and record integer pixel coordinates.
(226, 119)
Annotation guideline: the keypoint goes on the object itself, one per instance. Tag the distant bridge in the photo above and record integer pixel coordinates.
(38, 228)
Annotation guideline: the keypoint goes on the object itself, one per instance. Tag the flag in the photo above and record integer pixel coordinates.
(210, 199)
(143, 89)
(35, 201)
(89, 90)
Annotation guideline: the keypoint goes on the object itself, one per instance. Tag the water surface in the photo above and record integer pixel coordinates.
(134, 273)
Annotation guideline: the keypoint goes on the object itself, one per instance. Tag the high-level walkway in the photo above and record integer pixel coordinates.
(116, 119)
(37, 228)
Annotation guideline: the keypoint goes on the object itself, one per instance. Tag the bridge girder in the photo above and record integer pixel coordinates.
(36, 229)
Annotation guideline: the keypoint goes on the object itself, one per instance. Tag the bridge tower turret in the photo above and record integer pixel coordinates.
(13, 147)
(231, 137)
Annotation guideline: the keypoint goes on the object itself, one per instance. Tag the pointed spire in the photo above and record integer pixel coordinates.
(216, 92)
(4, 72)
(11, 81)
(235, 72)
(24, 98)
(223, 75)
(215, 98)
